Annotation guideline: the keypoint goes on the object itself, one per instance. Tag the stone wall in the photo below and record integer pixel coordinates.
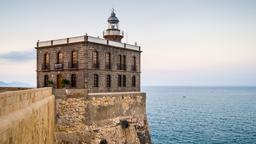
(3, 89)
(85, 71)
(97, 117)
(27, 116)
(66, 72)
(70, 116)
(114, 72)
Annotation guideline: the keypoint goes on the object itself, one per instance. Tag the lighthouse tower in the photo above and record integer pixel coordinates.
(113, 32)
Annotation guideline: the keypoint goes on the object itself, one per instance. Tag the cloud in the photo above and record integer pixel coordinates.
(18, 56)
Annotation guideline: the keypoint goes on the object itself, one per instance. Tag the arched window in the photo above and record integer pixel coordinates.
(74, 57)
(124, 63)
(108, 60)
(60, 58)
(124, 60)
(120, 59)
(134, 64)
(73, 80)
(133, 81)
(108, 81)
(96, 80)
(119, 65)
(95, 59)
(46, 62)
(46, 58)
(46, 80)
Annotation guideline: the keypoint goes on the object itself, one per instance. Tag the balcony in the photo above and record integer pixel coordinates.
(73, 66)
(45, 67)
(96, 66)
(113, 32)
(58, 66)
(121, 66)
(133, 68)
(108, 66)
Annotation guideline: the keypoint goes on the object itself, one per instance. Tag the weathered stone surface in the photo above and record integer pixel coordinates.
(27, 117)
(117, 118)
(97, 116)
(3, 89)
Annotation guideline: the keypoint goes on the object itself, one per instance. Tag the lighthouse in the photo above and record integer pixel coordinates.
(113, 32)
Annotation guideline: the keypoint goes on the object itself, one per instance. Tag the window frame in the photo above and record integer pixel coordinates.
(46, 58)
(119, 81)
(46, 80)
(124, 81)
(108, 81)
(74, 57)
(108, 60)
(95, 80)
(134, 81)
(60, 59)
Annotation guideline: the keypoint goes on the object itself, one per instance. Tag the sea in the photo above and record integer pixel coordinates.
(201, 115)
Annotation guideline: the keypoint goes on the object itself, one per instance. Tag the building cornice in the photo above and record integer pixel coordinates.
(86, 38)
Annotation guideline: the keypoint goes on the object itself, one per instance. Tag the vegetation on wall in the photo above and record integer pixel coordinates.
(65, 83)
(50, 83)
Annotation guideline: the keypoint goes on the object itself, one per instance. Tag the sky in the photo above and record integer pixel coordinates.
(184, 42)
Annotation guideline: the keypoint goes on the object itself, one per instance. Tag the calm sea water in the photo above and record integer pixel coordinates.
(203, 115)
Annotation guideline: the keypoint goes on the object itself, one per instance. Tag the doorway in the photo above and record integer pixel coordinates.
(59, 79)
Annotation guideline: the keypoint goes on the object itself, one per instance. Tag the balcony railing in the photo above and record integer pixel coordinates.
(121, 67)
(58, 66)
(45, 67)
(96, 66)
(73, 65)
(113, 32)
(133, 68)
(108, 66)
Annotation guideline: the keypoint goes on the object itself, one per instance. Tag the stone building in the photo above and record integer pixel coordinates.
(93, 63)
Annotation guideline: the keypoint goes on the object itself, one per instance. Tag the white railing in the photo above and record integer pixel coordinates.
(133, 47)
(59, 41)
(120, 33)
(89, 39)
(97, 40)
(44, 43)
(116, 44)
(76, 39)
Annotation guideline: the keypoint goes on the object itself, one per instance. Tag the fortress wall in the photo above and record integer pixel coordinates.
(104, 106)
(98, 116)
(107, 111)
(70, 115)
(27, 116)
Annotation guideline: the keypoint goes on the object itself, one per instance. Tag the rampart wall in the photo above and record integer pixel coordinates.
(27, 116)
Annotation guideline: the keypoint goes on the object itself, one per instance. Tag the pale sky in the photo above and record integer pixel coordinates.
(184, 42)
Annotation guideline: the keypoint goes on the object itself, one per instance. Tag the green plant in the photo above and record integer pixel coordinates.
(65, 83)
(50, 83)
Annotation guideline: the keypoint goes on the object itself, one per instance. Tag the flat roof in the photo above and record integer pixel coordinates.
(86, 38)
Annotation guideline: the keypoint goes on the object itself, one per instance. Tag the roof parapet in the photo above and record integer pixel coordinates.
(86, 38)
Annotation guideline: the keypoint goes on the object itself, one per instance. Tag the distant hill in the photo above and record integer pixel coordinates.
(14, 84)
